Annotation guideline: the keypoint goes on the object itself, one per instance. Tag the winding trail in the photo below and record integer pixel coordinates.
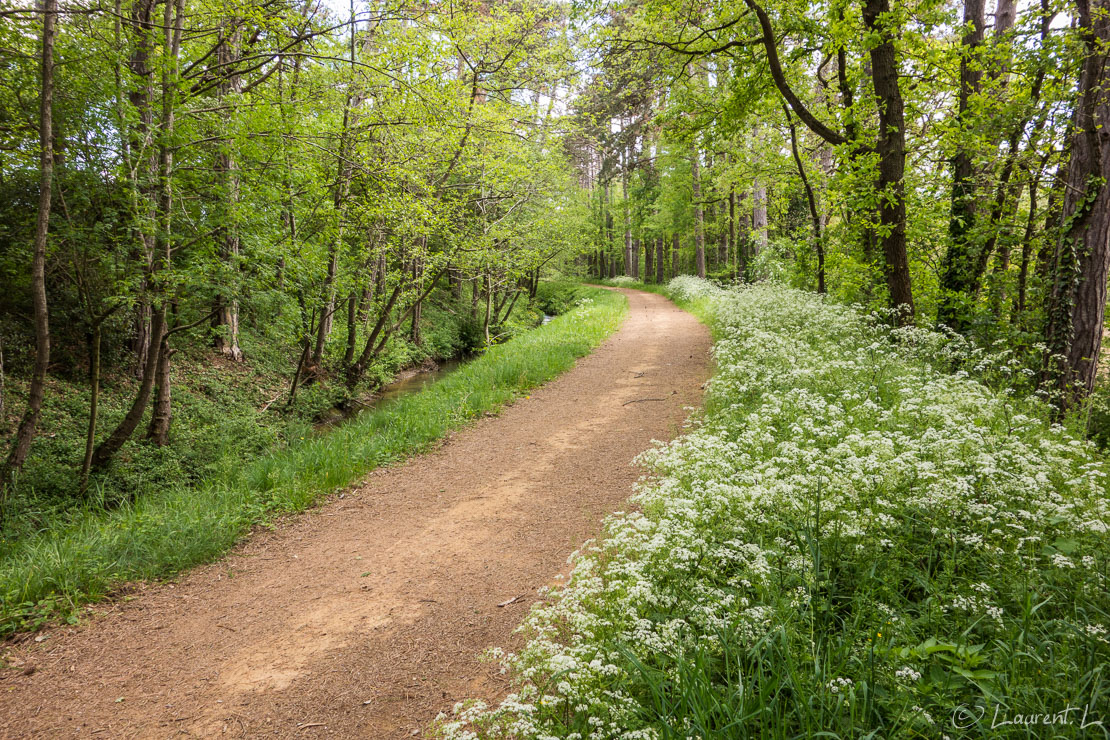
(365, 616)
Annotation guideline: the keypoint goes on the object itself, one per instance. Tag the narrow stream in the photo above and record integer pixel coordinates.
(413, 383)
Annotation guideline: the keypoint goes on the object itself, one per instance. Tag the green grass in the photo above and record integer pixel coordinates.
(49, 574)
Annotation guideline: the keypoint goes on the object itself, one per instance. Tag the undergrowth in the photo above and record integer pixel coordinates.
(83, 553)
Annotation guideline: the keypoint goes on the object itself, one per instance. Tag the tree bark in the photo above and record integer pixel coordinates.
(172, 27)
(759, 217)
(28, 426)
(891, 149)
(1076, 316)
(660, 246)
(699, 215)
(226, 323)
(161, 415)
(94, 406)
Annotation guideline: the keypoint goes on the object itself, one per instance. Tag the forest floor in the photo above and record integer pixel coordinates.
(366, 616)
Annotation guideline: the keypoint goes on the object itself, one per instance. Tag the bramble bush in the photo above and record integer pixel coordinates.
(850, 541)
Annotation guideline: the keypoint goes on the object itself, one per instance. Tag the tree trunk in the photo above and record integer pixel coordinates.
(649, 261)
(352, 328)
(815, 217)
(417, 279)
(28, 426)
(732, 258)
(660, 246)
(958, 275)
(489, 303)
(629, 270)
(674, 255)
(172, 27)
(699, 215)
(94, 406)
(1075, 321)
(161, 415)
(107, 449)
(892, 159)
(226, 322)
(759, 217)
(1027, 250)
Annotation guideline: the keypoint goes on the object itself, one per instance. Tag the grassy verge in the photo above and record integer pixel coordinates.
(52, 572)
(852, 542)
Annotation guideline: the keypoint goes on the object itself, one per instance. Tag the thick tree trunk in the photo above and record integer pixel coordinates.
(649, 260)
(1076, 316)
(28, 426)
(759, 217)
(699, 215)
(892, 159)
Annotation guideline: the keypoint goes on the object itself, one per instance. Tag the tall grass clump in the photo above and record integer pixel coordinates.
(851, 542)
(92, 551)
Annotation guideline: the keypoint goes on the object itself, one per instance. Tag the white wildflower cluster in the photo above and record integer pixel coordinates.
(844, 505)
(907, 674)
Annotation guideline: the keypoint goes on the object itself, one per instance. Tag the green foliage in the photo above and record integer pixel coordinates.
(84, 553)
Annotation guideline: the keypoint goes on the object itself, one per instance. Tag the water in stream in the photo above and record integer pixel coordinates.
(413, 383)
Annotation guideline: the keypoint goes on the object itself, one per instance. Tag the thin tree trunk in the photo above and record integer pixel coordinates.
(815, 217)
(107, 449)
(958, 278)
(674, 255)
(1027, 250)
(489, 299)
(352, 328)
(732, 257)
(94, 406)
(699, 215)
(660, 263)
(21, 446)
(172, 26)
(226, 323)
(161, 415)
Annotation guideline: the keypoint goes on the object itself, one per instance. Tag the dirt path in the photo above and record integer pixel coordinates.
(364, 617)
